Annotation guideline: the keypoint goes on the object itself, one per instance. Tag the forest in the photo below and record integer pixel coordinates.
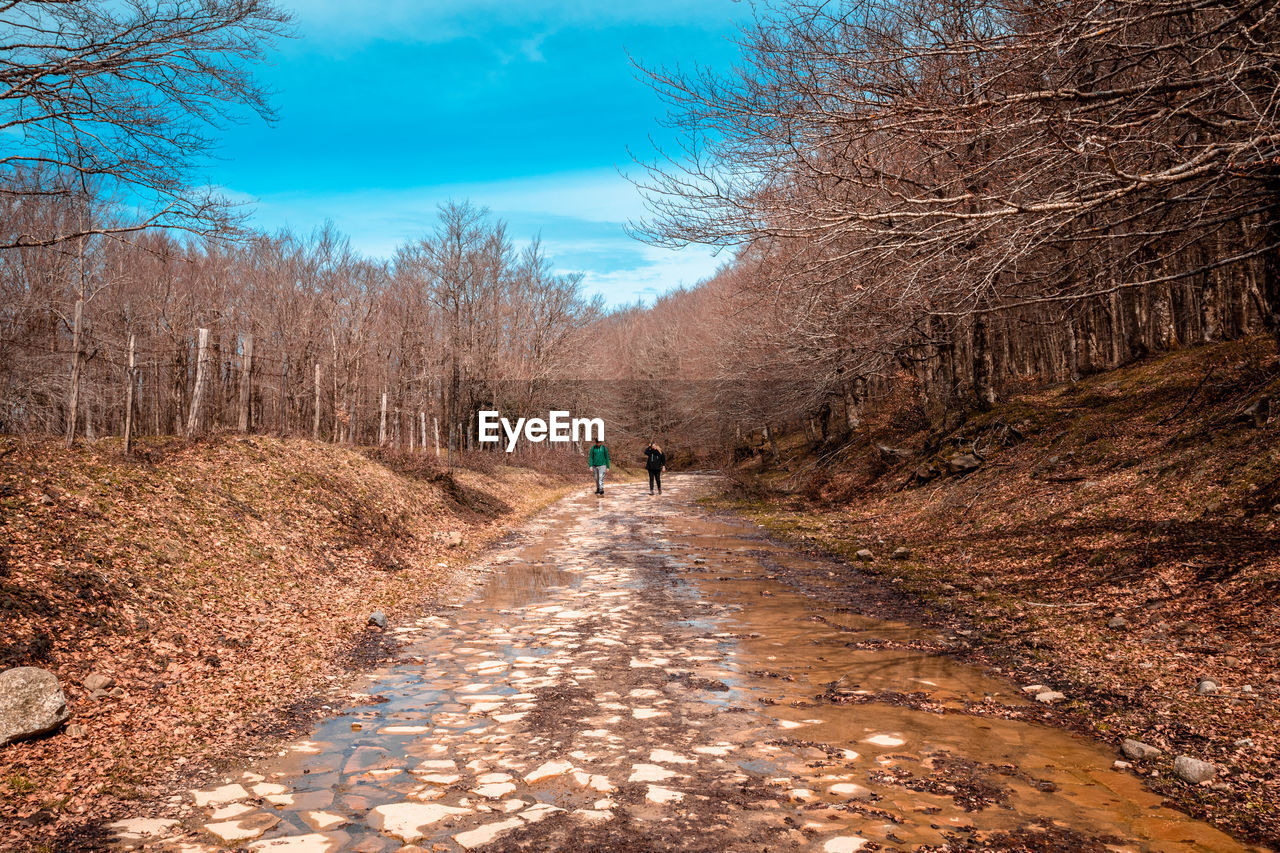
(972, 514)
(924, 205)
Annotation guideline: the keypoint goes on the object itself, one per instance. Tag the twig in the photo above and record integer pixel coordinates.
(1072, 604)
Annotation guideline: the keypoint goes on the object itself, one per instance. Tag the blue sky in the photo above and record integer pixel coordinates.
(527, 108)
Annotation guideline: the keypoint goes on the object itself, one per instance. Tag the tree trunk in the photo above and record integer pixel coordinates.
(128, 398)
(983, 387)
(315, 417)
(202, 378)
(77, 358)
(246, 385)
(382, 422)
(1271, 268)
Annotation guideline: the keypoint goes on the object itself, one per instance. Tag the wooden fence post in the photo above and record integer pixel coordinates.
(197, 394)
(128, 398)
(246, 384)
(74, 397)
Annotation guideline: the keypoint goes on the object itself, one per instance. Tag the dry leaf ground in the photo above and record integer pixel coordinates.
(224, 584)
(1146, 494)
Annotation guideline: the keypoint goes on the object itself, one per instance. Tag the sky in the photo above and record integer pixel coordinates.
(527, 107)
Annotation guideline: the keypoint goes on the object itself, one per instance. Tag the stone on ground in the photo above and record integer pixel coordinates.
(220, 796)
(1193, 770)
(406, 820)
(473, 838)
(243, 829)
(1137, 750)
(31, 703)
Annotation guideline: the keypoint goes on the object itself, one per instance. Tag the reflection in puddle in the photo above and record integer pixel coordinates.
(630, 676)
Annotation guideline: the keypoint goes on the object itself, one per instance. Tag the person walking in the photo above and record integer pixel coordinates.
(655, 463)
(598, 462)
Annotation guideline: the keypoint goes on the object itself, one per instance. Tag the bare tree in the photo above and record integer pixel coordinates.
(124, 96)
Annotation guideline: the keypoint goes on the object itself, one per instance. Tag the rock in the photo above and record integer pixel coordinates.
(1029, 689)
(98, 681)
(1120, 765)
(1244, 741)
(141, 829)
(865, 555)
(377, 619)
(963, 463)
(407, 821)
(1048, 697)
(1193, 770)
(31, 703)
(220, 796)
(1117, 623)
(75, 730)
(548, 770)
(1207, 686)
(245, 829)
(893, 454)
(901, 554)
(1259, 412)
(1137, 750)
(925, 473)
(451, 538)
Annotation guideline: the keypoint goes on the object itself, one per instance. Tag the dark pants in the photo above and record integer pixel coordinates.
(655, 478)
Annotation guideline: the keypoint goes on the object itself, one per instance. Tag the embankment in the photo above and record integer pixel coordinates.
(1118, 540)
(223, 585)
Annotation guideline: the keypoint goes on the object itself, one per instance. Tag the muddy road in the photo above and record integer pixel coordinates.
(632, 674)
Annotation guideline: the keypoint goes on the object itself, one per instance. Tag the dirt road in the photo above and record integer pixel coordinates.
(632, 674)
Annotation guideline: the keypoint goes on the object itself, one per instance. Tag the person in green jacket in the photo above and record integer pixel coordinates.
(598, 461)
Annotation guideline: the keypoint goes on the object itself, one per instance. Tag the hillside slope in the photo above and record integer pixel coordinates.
(1119, 542)
(224, 585)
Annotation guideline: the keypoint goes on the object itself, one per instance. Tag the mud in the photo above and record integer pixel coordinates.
(634, 674)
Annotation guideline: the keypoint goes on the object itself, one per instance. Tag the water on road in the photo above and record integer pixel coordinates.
(633, 674)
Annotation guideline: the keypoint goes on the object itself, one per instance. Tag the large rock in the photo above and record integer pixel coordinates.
(893, 454)
(963, 463)
(377, 619)
(31, 703)
(1193, 770)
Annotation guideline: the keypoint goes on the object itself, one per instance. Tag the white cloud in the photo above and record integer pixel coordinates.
(580, 217)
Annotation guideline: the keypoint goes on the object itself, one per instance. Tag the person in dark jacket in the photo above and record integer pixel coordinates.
(655, 463)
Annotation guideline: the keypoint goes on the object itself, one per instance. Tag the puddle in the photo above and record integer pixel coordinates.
(629, 676)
